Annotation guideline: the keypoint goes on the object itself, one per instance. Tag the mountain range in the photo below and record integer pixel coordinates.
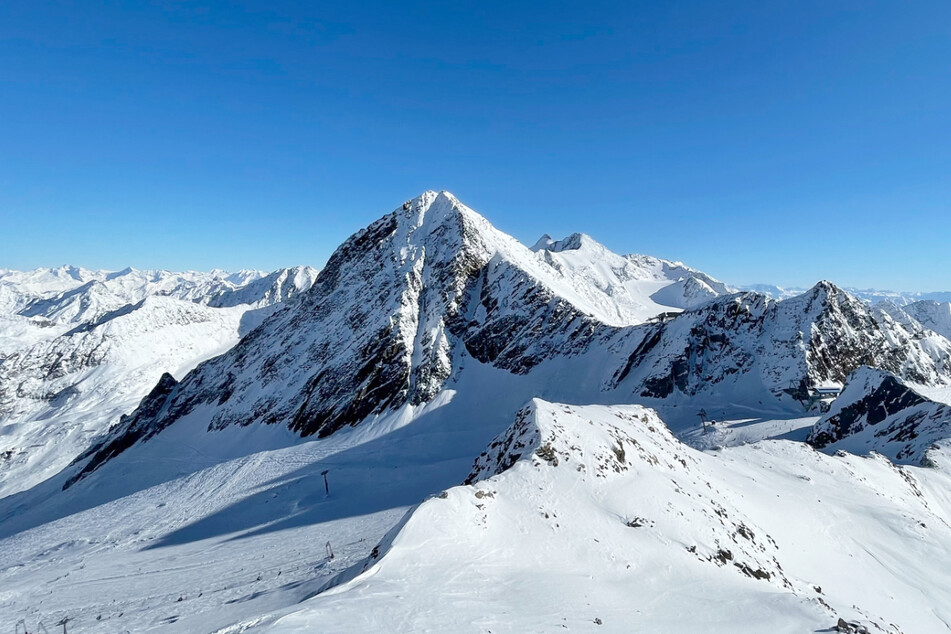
(445, 429)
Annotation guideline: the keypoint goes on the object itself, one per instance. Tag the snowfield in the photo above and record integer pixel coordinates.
(598, 516)
(446, 430)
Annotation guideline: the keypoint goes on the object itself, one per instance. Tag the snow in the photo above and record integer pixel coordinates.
(146, 561)
(878, 412)
(633, 288)
(605, 519)
(88, 354)
(597, 500)
(868, 295)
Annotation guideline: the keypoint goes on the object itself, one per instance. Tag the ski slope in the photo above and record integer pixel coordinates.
(597, 519)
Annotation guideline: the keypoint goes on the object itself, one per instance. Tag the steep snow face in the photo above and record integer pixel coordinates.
(63, 383)
(579, 517)
(746, 346)
(628, 289)
(277, 287)
(878, 412)
(934, 316)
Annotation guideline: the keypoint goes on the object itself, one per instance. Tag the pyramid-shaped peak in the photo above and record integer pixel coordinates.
(825, 286)
(575, 242)
(435, 208)
(823, 291)
(827, 291)
(431, 200)
(543, 243)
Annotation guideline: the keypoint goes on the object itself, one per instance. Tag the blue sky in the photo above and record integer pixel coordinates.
(780, 142)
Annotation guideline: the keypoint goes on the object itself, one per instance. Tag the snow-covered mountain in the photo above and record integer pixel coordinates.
(923, 315)
(878, 412)
(744, 347)
(403, 306)
(637, 287)
(867, 295)
(425, 336)
(74, 360)
(76, 295)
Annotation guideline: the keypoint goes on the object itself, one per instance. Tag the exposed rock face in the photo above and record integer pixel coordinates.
(786, 347)
(879, 412)
(149, 406)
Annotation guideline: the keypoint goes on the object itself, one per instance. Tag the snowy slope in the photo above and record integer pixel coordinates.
(101, 292)
(74, 295)
(279, 286)
(122, 566)
(60, 389)
(628, 289)
(920, 317)
(20, 287)
(242, 538)
(934, 316)
(878, 412)
(597, 519)
(192, 513)
(44, 303)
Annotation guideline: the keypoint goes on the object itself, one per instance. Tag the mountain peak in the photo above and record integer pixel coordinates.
(575, 242)
(823, 292)
(431, 200)
(543, 243)
(826, 290)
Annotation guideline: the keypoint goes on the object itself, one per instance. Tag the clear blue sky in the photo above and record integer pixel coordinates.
(778, 142)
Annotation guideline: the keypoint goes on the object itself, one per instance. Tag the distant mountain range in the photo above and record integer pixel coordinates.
(869, 295)
(79, 348)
